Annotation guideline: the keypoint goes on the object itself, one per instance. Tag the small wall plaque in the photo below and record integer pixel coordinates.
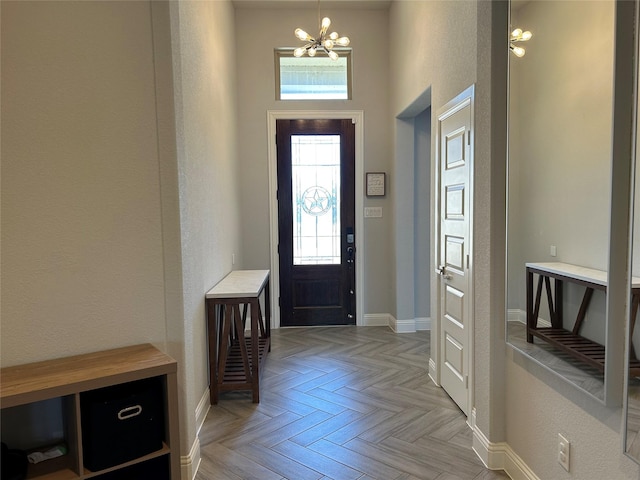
(376, 184)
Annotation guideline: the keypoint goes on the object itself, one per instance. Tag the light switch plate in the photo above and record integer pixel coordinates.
(372, 212)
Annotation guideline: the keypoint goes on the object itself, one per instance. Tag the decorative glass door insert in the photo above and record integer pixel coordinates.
(315, 183)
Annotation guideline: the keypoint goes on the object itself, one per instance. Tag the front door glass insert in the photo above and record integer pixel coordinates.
(315, 183)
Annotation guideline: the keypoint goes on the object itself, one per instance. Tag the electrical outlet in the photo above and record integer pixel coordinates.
(564, 447)
(233, 259)
(553, 251)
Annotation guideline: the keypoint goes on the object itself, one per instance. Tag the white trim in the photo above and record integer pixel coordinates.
(498, 456)
(402, 326)
(358, 119)
(409, 325)
(187, 462)
(202, 409)
(187, 469)
(376, 320)
(517, 315)
(433, 371)
(423, 323)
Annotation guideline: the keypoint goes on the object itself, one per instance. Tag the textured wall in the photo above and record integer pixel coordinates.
(258, 32)
(82, 254)
(205, 100)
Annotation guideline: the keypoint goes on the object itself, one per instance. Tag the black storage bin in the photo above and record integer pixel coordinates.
(122, 423)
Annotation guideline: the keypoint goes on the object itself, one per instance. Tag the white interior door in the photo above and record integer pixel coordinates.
(455, 162)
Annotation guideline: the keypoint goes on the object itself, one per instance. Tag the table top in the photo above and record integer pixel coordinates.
(590, 275)
(240, 284)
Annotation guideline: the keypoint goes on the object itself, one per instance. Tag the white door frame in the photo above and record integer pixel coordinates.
(358, 119)
(466, 97)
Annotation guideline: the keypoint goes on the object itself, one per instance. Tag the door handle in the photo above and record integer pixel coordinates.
(442, 271)
(350, 251)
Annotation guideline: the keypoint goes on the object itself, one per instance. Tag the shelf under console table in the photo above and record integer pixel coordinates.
(73, 378)
(236, 359)
(570, 341)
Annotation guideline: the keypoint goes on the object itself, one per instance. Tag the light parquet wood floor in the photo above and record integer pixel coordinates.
(341, 403)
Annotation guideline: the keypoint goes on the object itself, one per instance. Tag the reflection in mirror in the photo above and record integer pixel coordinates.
(632, 403)
(559, 187)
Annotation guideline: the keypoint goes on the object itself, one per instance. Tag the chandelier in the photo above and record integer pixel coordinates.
(518, 36)
(323, 42)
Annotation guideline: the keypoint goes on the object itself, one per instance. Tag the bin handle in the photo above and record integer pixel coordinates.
(129, 412)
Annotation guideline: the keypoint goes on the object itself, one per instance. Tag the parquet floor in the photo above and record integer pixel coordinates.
(341, 403)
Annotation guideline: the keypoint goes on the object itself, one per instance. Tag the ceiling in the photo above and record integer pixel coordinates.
(333, 4)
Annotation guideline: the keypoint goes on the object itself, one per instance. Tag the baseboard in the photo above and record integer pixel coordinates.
(202, 409)
(189, 464)
(409, 325)
(423, 323)
(376, 320)
(517, 315)
(402, 326)
(499, 456)
(433, 372)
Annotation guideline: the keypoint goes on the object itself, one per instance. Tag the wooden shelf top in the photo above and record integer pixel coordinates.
(33, 382)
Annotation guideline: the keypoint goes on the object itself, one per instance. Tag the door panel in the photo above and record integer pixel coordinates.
(454, 180)
(316, 212)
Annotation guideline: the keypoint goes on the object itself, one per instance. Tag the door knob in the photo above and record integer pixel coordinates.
(442, 271)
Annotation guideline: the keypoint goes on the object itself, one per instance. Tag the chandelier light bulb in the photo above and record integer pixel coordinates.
(302, 35)
(526, 36)
(518, 51)
(333, 55)
(328, 44)
(312, 52)
(333, 35)
(343, 41)
(516, 33)
(326, 21)
(298, 52)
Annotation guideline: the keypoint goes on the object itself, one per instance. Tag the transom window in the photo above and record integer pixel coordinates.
(313, 78)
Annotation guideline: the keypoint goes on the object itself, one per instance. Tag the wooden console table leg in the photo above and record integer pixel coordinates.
(213, 333)
(255, 360)
(529, 306)
(267, 307)
(635, 301)
(588, 293)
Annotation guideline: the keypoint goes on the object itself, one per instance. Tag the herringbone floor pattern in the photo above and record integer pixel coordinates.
(341, 403)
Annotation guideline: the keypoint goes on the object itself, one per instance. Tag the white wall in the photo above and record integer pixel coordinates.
(258, 32)
(560, 122)
(82, 252)
(562, 160)
(207, 164)
(119, 180)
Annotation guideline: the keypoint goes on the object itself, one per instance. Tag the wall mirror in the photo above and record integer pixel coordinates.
(632, 404)
(559, 187)
(632, 398)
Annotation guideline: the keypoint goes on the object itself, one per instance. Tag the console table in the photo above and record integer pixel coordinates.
(585, 350)
(235, 359)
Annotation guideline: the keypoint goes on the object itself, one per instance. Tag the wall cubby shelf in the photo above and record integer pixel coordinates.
(70, 377)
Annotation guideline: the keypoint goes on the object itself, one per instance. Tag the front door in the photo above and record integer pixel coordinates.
(455, 152)
(316, 222)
